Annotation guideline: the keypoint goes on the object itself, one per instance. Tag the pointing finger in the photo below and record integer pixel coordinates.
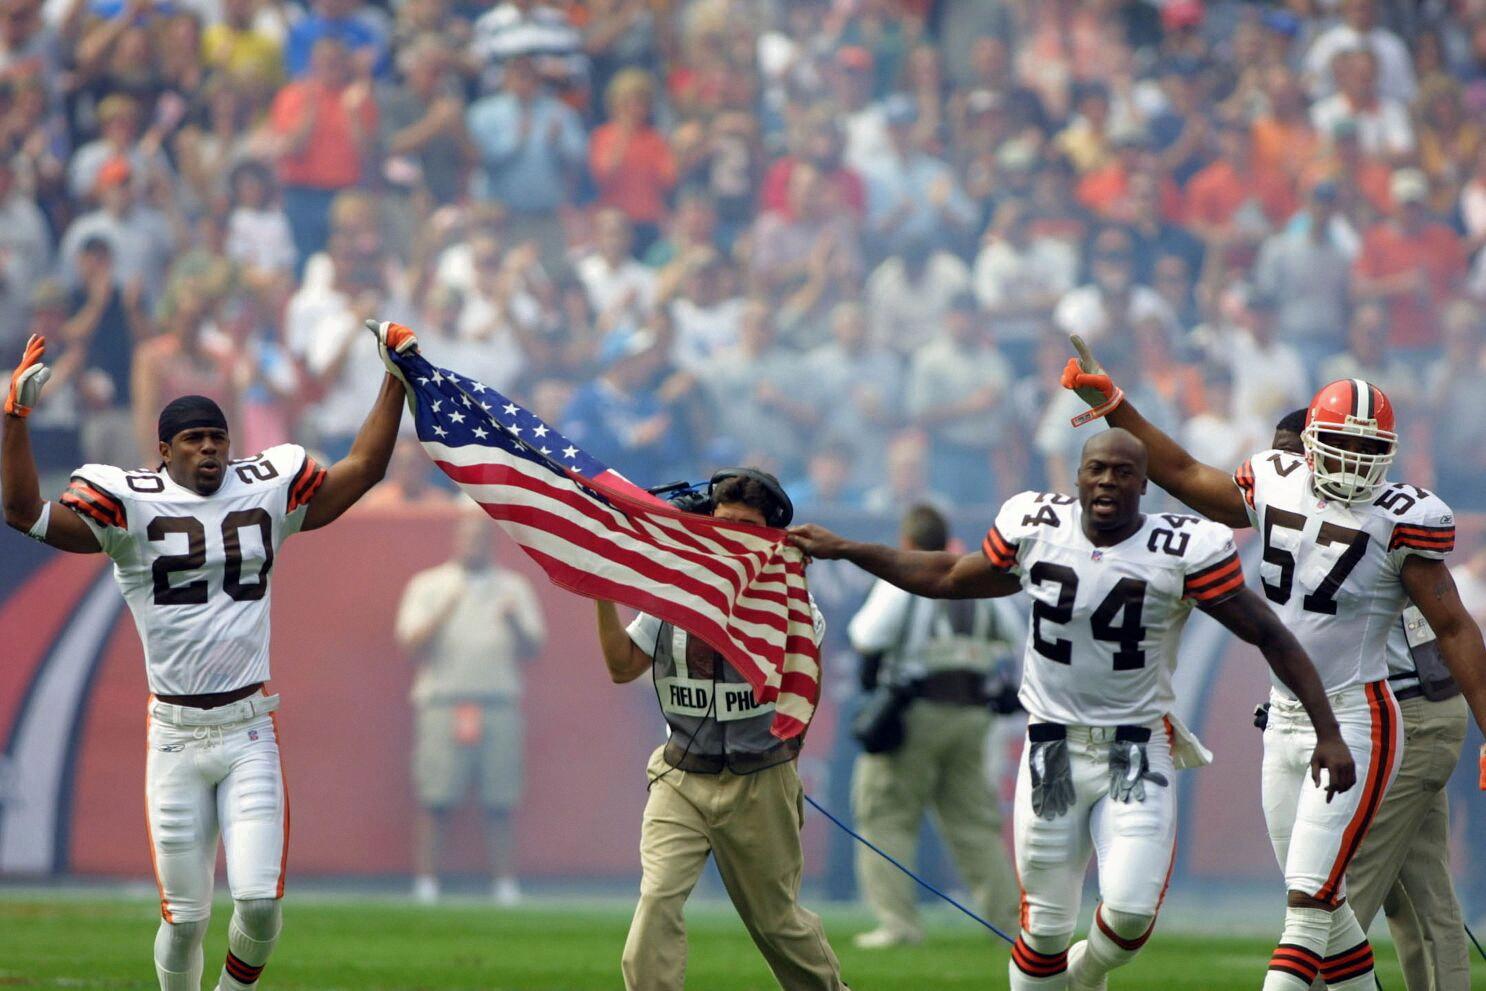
(1085, 357)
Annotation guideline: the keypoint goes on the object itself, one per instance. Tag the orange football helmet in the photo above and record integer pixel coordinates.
(1349, 408)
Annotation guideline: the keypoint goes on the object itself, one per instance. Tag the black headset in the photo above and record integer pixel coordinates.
(693, 498)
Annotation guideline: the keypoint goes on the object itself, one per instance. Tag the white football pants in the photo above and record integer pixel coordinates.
(210, 771)
(1314, 841)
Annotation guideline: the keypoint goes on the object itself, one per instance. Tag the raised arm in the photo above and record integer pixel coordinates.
(24, 507)
(1432, 589)
(1250, 619)
(932, 574)
(352, 477)
(1208, 490)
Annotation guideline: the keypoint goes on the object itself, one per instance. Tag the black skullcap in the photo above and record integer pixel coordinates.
(189, 412)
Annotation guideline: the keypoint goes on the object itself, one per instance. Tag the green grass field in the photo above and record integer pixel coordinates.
(74, 941)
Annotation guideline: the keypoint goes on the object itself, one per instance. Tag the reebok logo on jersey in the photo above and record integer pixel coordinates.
(252, 734)
(171, 748)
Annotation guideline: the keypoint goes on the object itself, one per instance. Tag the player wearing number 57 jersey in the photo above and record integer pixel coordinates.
(1342, 551)
(1111, 589)
(193, 543)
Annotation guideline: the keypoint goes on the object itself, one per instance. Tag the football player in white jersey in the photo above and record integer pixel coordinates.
(1343, 549)
(1111, 589)
(193, 544)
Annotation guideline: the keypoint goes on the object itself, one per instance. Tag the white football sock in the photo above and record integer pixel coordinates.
(1113, 942)
(1348, 964)
(250, 939)
(178, 960)
(1297, 959)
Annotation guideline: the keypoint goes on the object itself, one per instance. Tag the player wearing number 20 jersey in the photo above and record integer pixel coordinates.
(193, 544)
(194, 569)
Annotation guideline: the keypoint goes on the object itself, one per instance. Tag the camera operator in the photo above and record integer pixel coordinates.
(722, 784)
(928, 665)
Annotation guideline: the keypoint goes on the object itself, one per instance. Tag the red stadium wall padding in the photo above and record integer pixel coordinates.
(1224, 833)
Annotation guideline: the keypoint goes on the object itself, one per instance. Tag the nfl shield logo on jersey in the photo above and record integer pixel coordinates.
(1097, 555)
(252, 734)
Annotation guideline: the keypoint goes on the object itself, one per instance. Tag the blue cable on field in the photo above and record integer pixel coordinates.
(1474, 940)
(889, 858)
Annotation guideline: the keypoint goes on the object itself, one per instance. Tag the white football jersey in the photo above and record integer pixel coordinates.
(195, 569)
(1106, 621)
(1333, 571)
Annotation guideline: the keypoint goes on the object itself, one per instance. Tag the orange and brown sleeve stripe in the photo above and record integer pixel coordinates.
(1216, 582)
(1244, 479)
(307, 482)
(1000, 550)
(96, 503)
(1423, 538)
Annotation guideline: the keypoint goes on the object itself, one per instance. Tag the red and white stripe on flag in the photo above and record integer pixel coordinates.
(740, 588)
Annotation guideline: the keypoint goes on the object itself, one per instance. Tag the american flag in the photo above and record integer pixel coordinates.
(740, 588)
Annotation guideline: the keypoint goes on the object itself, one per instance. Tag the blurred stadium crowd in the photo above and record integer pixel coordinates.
(842, 239)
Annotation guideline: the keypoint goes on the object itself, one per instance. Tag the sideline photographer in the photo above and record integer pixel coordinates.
(927, 667)
(722, 784)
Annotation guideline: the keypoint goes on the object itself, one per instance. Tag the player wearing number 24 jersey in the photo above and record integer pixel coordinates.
(1111, 589)
(1342, 551)
(193, 543)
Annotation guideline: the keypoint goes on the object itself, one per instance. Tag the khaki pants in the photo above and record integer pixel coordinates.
(940, 766)
(751, 824)
(1403, 864)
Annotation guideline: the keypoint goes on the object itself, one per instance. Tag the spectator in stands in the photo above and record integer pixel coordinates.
(326, 126)
(1382, 122)
(1269, 377)
(469, 626)
(761, 396)
(105, 321)
(1112, 302)
(957, 382)
(25, 254)
(693, 227)
(786, 245)
(120, 137)
(905, 480)
(705, 307)
(827, 484)
(190, 357)
(857, 388)
(912, 195)
(1367, 357)
(531, 146)
(259, 237)
(1019, 279)
(409, 483)
(1458, 438)
(620, 289)
(239, 47)
(1284, 138)
(343, 21)
(1412, 263)
(513, 28)
(423, 136)
(910, 292)
(620, 417)
(815, 137)
(631, 162)
(140, 237)
(1215, 434)
(1156, 237)
(1307, 272)
(1233, 204)
(1359, 31)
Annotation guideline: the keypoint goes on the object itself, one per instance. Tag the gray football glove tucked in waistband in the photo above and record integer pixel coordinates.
(1129, 766)
(1052, 775)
